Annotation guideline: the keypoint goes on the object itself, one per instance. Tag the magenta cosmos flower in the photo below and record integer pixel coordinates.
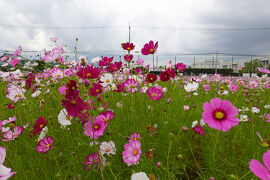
(132, 152)
(39, 125)
(130, 85)
(45, 145)
(98, 130)
(155, 93)
(220, 114)
(88, 72)
(180, 66)
(73, 103)
(149, 48)
(258, 169)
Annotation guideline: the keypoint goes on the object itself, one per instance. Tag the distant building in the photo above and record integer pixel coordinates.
(220, 64)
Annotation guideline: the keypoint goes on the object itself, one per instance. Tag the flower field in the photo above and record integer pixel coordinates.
(111, 120)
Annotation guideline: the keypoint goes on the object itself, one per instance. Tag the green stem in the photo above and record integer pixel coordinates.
(214, 153)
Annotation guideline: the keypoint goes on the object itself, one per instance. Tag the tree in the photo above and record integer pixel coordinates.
(252, 66)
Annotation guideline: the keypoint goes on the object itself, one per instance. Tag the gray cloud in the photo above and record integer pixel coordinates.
(150, 13)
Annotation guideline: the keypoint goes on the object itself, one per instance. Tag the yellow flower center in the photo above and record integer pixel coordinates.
(131, 86)
(154, 95)
(106, 119)
(48, 145)
(73, 87)
(135, 139)
(67, 117)
(73, 102)
(135, 152)
(97, 90)
(151, 50)
(219, 115)
(107, 150)
(58, 75)
(88, 75)
(151, 79)
(18, 95)
(107, 80)
(128, 48)
(96, 127)
(41, 126)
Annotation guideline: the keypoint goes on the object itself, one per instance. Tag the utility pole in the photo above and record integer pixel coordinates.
(216, 62)
(129, 33)
(194, 62)
(120, 58)
(157, 61)
(232, 62)
(213, 62)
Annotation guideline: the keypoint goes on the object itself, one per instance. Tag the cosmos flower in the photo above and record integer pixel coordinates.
(180, 67)
(150, 78)
(39, 125)
(11, 135)
(98, 130)
(198, 129)
(258, 169)
(64, 118)
(135, 137)
(105, 61)
(107, 147)
(96, 89)
(220, 114)
(92, 160)
(45, 145)
(5, 173)
(15, 93)
(130, 85)
(128, 58)
(139, 176)
(154, 93)
(132, 152)
(206, 87)
(62, 90)
(106, 79)
(164, 76)
(106, 116)
(149, 48)
(88, 72)
(140, 61)
(128, 46)
(73, 103)
(190, 87)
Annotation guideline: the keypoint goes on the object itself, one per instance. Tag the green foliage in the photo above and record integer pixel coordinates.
(252, 66)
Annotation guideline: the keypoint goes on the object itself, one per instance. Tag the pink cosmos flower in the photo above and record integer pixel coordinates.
(130, 85)
(39, 125)
(267, 117)
(233, 87)
(106, 116)
(140, 61)
(135, 137)
(54, 39)
(5, 173)
(266, 71)
(62, 90)
(14, 62)
(15, 93)
(253, 83)
(98, 130)
(258, 169)
(10, 136)
(128, 58)
(149, 48)
(155, 93)
(206, 87)
(45, 145)
(91, 160)
(220, 114)
(132, 152)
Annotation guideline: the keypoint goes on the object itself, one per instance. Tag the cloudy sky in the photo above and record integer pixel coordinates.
(180, 26)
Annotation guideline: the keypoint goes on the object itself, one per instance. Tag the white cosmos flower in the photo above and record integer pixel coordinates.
(36, 93)
(194, 123)
(107, 147)
(43, 133)
(106, 79)
(190, 87)
(95, 60)
(139, 176)
(64, 118)
(243, 118)
(15, 93)
(255, 110)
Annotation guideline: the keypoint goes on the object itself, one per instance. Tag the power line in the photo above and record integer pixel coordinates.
(136, 27)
